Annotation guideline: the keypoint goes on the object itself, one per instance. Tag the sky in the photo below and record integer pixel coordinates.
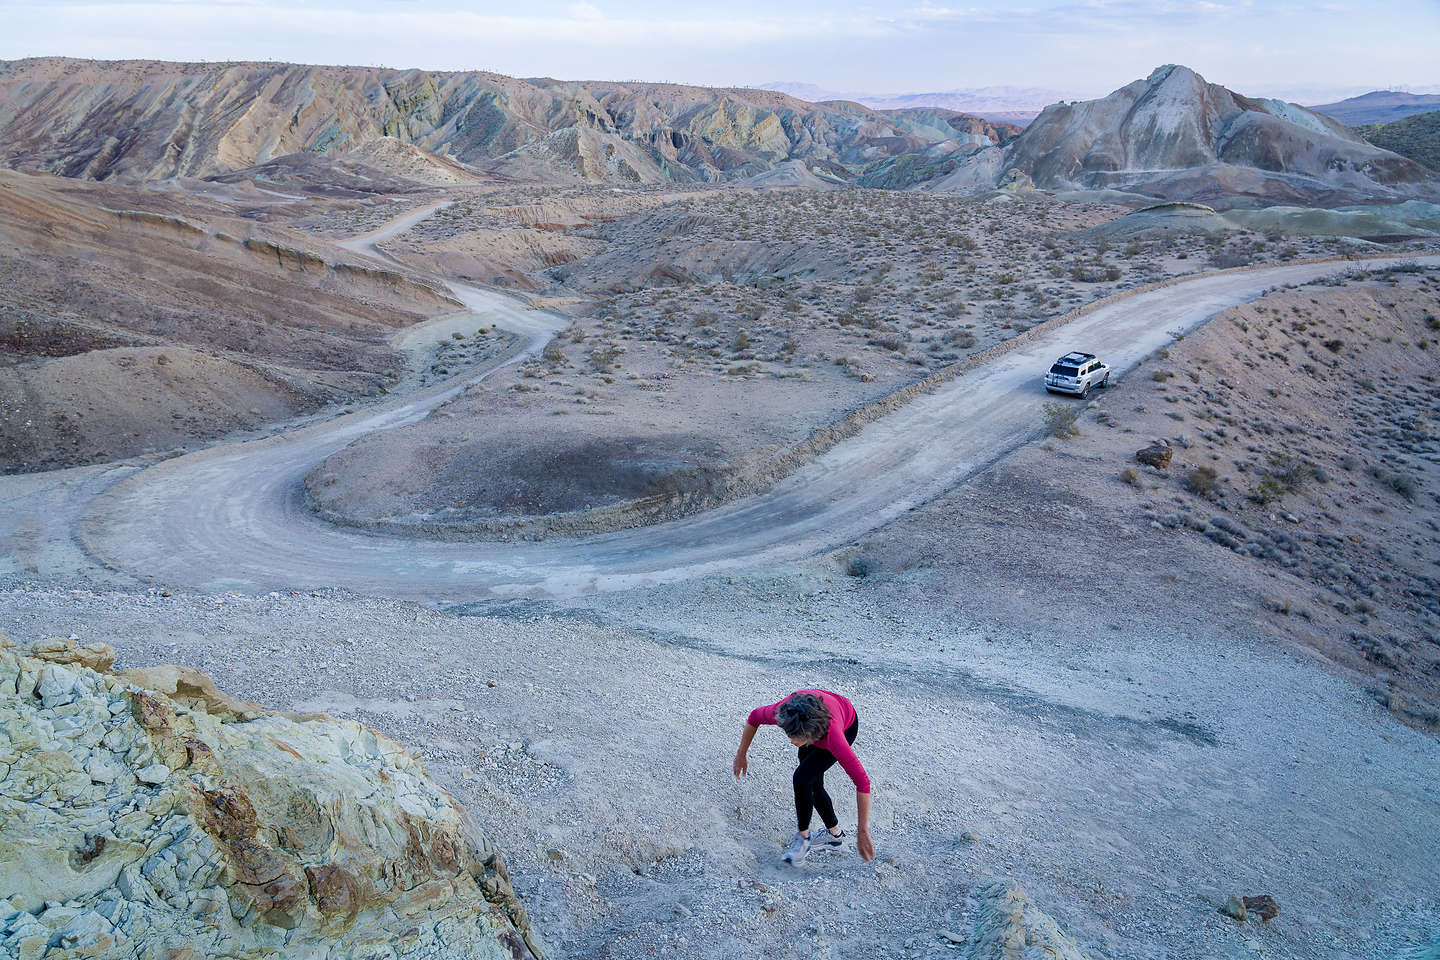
(1308, 52)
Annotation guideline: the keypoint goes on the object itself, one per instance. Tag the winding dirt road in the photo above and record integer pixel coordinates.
(234, 517)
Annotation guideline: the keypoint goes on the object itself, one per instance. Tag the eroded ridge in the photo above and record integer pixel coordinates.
(149, 813)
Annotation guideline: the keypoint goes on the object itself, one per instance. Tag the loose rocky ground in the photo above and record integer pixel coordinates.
(1303, 440)
(1132, 750)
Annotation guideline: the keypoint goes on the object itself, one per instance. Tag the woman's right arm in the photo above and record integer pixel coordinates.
(742, 765)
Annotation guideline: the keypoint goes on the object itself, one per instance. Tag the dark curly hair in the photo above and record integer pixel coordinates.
(804, 715)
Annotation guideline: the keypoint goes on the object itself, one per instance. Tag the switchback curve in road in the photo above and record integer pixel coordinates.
(234, 517)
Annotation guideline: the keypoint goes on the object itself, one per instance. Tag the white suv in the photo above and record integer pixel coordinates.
(1076, 373)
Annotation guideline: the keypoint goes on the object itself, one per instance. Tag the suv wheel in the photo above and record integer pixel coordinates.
(1085, 392)
(1106, 382)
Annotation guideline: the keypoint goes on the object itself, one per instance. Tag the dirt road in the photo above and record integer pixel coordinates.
(234, 517)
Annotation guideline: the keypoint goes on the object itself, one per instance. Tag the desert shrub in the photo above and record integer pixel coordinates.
(1401, 483)
(1267, 491)
(1285, 474)
(1202, 481)
(1334, 346)
(603, 357)
(1277, 604)
(553, 353)
(1060, 419)
(1132, 476)
(1094, 272)
(1224, 259)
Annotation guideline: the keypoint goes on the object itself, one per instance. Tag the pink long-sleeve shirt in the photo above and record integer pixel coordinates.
(842, 714)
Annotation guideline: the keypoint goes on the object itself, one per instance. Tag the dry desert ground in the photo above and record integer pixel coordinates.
(1134, 691)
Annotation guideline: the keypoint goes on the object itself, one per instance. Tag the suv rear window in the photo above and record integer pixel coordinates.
(1065, 371)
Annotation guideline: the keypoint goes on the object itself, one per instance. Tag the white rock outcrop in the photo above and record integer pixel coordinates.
(146, 814)
(1010, 927)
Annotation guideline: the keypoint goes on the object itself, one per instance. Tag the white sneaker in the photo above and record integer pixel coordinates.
(825, 840)
(799, 849)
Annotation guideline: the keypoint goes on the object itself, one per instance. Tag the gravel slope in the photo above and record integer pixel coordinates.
(1130, 779)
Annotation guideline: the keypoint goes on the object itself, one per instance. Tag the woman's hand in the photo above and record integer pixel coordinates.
(741, 764)
(864, 844)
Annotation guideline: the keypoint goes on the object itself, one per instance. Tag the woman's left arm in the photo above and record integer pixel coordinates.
(863, 843)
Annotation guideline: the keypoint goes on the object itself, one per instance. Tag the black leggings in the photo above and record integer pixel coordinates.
(809, 782)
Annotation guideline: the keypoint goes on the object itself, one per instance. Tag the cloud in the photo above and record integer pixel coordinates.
(582, 24)
(1084, 47)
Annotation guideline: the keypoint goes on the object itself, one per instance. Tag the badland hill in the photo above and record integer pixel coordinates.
(139, 319)
(1174, 135)
(1417, 137)
(134, 120)
(1171, 135)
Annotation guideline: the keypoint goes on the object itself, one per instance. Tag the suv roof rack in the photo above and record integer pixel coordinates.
(1077, 355)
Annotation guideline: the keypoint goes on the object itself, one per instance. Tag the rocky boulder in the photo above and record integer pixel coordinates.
(1010, 927)
(1157, 455)
(148, 814)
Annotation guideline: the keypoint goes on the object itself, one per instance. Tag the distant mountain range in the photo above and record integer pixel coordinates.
(1171, 135)
(1020, 105)
(134, 120)
(1017, 105)
(1379, 106)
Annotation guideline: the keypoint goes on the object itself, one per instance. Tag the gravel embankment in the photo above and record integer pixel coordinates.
(1128, 776)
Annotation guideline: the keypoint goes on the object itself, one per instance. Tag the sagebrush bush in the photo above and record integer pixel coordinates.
(1202, 481)
(1060, 419)
(1401, 483)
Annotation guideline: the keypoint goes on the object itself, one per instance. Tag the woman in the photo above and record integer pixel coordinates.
(823, 725)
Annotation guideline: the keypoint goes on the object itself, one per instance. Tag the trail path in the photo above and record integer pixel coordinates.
(483, 307)
(234, 517)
